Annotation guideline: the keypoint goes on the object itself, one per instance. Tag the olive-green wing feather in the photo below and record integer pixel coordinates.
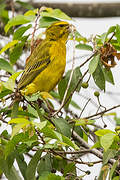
(38, 61)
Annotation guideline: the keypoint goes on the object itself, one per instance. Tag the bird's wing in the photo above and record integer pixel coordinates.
(38, 61)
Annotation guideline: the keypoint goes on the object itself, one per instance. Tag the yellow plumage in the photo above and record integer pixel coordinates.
(46, 64)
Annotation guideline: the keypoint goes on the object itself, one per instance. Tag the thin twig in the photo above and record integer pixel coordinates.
(70, 79)
(110, 38)
(3, 120)
(93, 151)
(66, 101)
(9, 96)
(12, 7)
(76, 161)
(88, 59)
(35, 26)
(6, 76)
(84, 107)
(34, 30)
(102, 112)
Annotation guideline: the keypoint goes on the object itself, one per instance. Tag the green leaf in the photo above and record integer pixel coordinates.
(52, 176)
(69, 168)
(9, 45)
(55, 13)
(46, 21)
(58, 162)
(94, 63)
(10, 84)
(25, 5)
(15, 75)
(51, 134)
(103, 37)
(111, 29)
(6, 66)
(69, 142)
(63, 83)
(18, 20)
(108, 75)
(75, 105)
(99, 78)
(33, 97)
(62, 126)
(79, 37)
(116, 178)
(20, 31)
(16, 52)
(81, 122)
(107, 140)
(113, 170)
(40, 125)
(5, 93)
(110, 153)
(102, 132)
(31, 14)
(32, 111)
(44, 175)
(31, 169)
(16, 128)
(61, 138)
(21, 164)
(25, 113)
(44, 165)
(19, 120)
(84, 47)
(15, 140)
(15, 109)
(117, 34)
(96, 145)
(10, 173)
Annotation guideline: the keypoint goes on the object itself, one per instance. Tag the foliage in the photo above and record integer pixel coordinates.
(54, 141)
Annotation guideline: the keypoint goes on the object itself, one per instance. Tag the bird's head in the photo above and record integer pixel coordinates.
(58, 30)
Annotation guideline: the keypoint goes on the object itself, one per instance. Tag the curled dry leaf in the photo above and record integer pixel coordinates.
(107, 55)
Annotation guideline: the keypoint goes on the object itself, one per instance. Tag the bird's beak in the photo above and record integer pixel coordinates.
(72, 28)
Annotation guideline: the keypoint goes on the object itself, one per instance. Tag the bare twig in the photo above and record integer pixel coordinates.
(93, 151)
(84, 107)
(73, 160)
(111, 37)
(4, 75)
(70, 79)
(34, 30)
(3, 120)
(102, 112)
(66, 101)
(88, 59)
(12, 7)
(35, 26)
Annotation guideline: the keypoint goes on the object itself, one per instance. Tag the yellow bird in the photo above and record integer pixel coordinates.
(46, 64)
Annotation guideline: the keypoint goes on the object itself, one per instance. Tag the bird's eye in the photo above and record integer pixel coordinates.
(61, 25)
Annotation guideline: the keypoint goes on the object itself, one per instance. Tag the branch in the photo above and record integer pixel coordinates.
(102, 112)
(3, 120)
(71, 74)
(93, 151)
(73, 160)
